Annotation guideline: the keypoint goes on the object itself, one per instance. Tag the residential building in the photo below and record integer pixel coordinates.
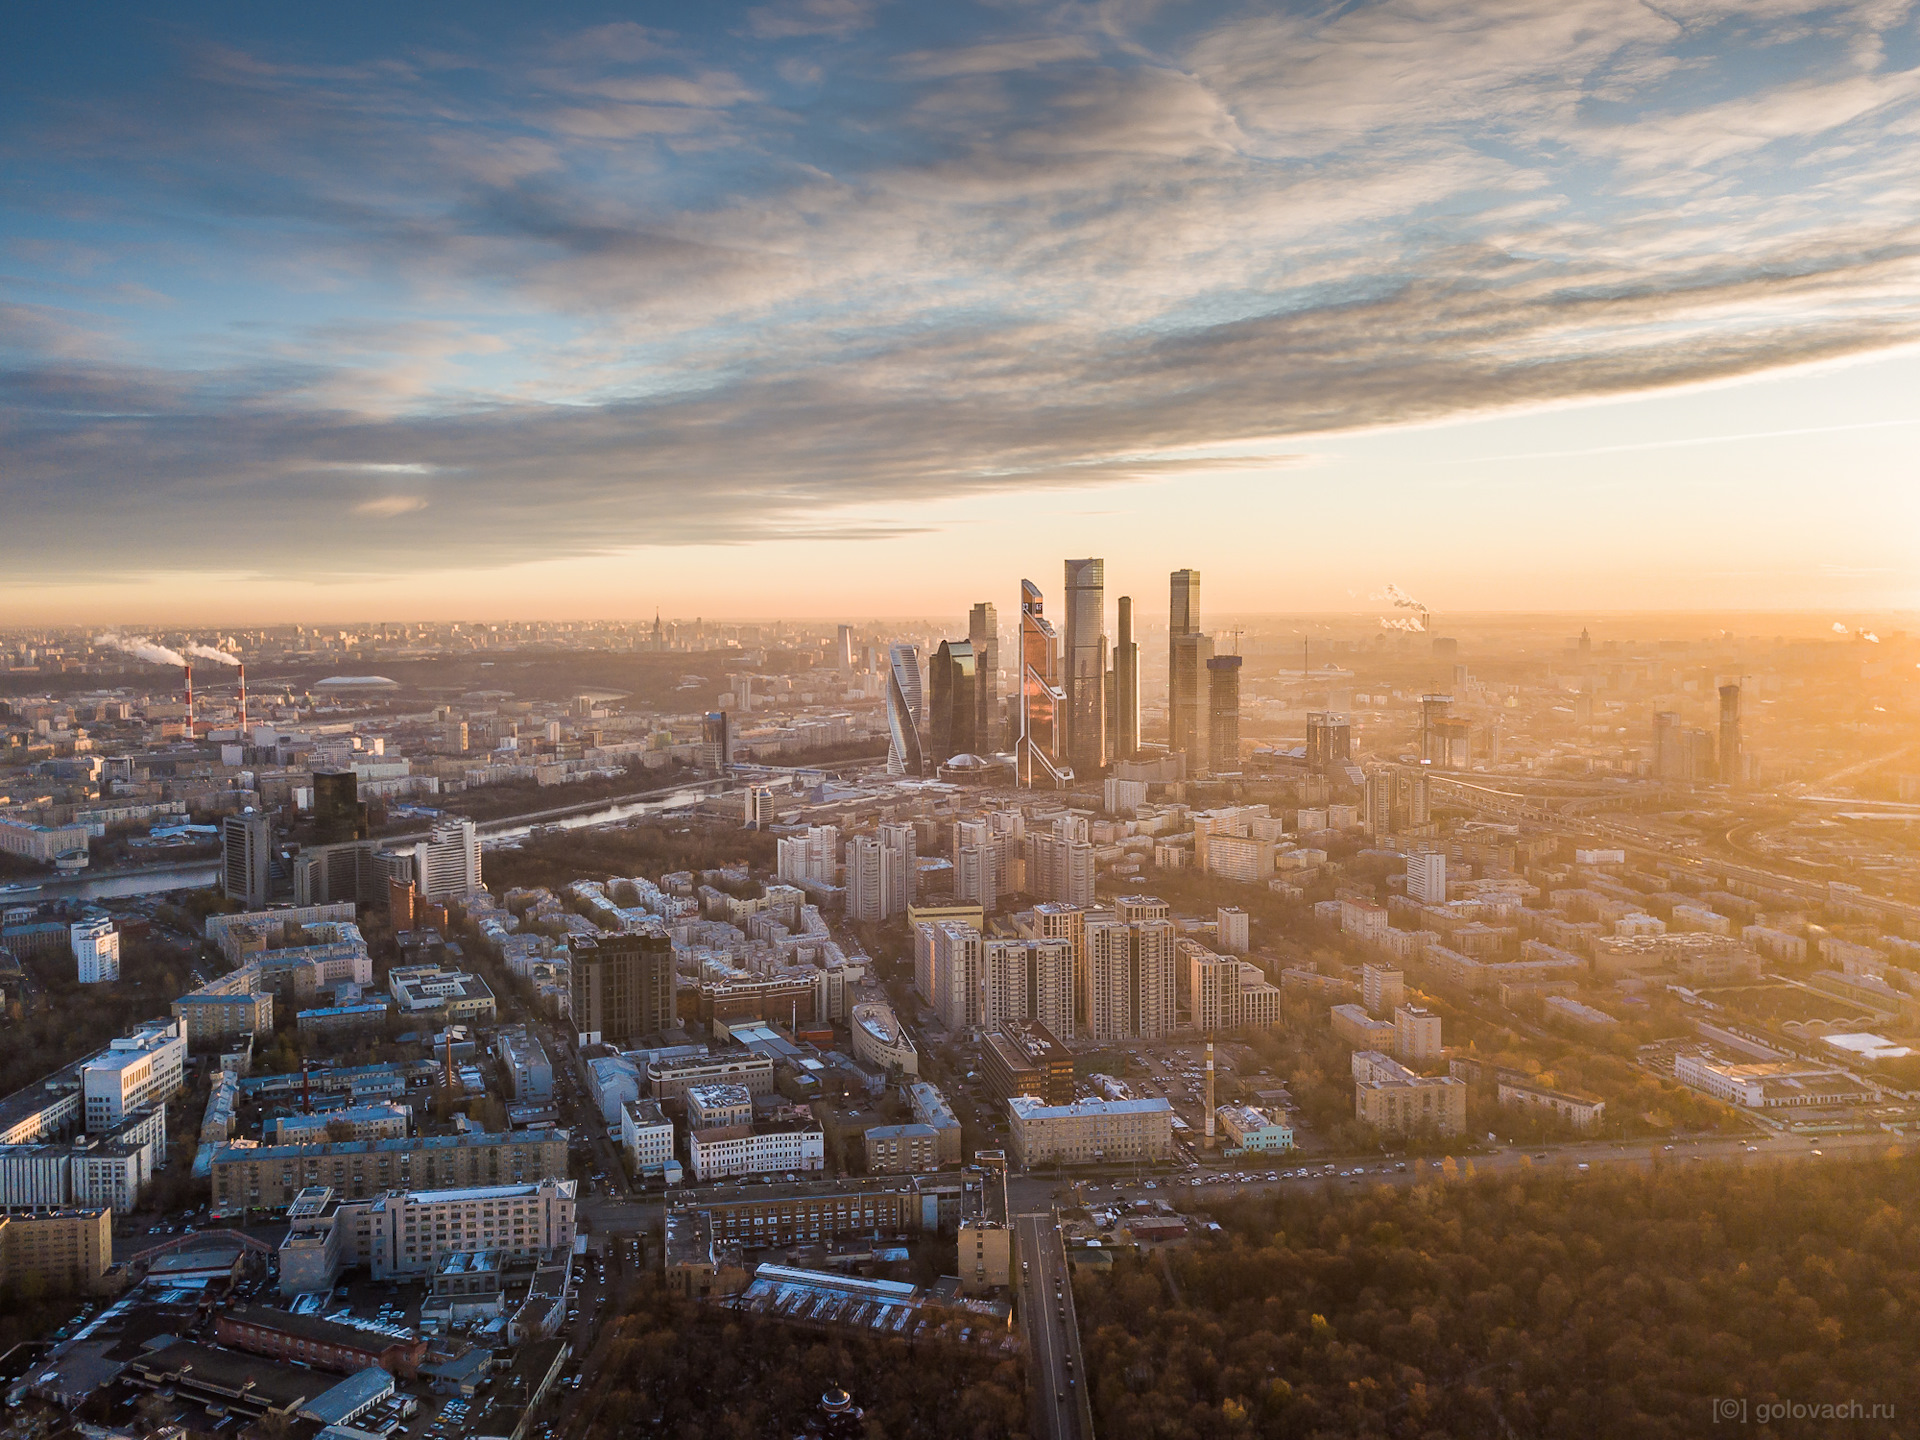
(270, 1176)
(1427, 877)
(902, 1149)
(55, 1251)
(930, 1108)
(765, 1148)
(351, 1122)
(447, 863)
(1232, 930)
(1582, 1111)
(956, 980)
(1029, 980)
(1391, 1097)
(646, 1135)
(96, 949)
(246, 857)
(1132, 989)
(1026, 1058)
(1359, 1029)
(1383, 988)
(986, 1256)
(1416, 1033)
(525, 1066)
(1090, 1132)
(623, 986)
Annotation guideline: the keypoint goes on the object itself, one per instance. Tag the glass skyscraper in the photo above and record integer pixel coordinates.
(1042, 702)
(1085, 666)
(953, 718)
(905, 756)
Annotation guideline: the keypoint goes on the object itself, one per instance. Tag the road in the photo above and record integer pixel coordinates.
(1060, 1409)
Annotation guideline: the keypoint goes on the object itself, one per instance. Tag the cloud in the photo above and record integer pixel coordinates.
(620, 287)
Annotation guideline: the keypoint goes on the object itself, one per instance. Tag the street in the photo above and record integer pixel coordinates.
(1052, 1331)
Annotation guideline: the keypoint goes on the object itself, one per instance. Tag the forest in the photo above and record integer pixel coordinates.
(1614, 1305)
(676, 1369)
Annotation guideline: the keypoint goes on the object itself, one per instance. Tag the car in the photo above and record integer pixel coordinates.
(1585, 1166)
(1753, 1149)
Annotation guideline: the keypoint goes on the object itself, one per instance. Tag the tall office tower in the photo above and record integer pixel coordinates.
(1380, 796)
(1427, 877)
(447, 862)
(1187, 700)
(1039, 758)
(1132, 992)
(1060, 869)
(1126, 686)
(1223, 714)
(1433, 742)
(905, 754)
(757, 809)
(1732, 761)
(1085, 679)
(716, 742)
(623, 985)
(843, 650)
(975, 878)
(957, 980)
(338, 816)
(96, 949)
(1029, 980)
(1669, 757)
(1329, 741)
(246, 858)
(1187, 654)
(953, 721)
(983, 633)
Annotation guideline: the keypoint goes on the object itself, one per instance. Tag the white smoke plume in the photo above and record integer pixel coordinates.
(1870, 637)
(142, 648)
(1393, 595)
(1840, 629)
(207, 652)
(1402, 622)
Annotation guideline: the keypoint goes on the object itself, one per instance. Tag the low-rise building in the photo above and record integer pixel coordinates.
(272, 1175)
(524, 1063)
(930, 1107)
(1416, 1033)
(668, 1080)
(1582, 1111)
(410, 1232)
(986, 1256)
(351, 1122)
(902, 1149)
(1359, 1029)
(55, 1250)
(1771, 1084)
(1248, 1128)
(646, 1134)
(1391, 1097)
(322, 1344)
(881, 1041)
(769, 1147)
(1022, 1057)
(715, 1106)
(430, 992)
(1090, 1131)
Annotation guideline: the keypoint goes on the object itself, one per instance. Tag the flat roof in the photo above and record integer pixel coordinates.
(1027, 1107)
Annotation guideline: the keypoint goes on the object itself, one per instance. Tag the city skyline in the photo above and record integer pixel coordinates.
(589, 311)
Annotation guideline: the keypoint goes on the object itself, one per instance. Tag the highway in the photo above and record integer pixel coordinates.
(1060, 1408)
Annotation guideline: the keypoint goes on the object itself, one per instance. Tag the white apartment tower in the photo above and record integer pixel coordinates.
(1132, 991)
(96, 949)
(447, 863)
(1427, 877)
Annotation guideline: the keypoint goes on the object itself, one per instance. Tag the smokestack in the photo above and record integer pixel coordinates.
(1209, 1090)
(306, 1089)
(449, 1061)
(243, 703)
(189, 700)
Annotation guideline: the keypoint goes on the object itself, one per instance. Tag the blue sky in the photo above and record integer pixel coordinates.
(752, 309)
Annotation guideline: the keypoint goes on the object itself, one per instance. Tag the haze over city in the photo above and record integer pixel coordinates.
(825, 719)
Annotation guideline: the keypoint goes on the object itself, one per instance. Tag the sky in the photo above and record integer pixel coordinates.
(835, 306)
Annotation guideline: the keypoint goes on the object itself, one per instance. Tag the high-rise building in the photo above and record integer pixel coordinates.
(1132, 990)
(1085, 667)
(1383, 988)
(1329, 741)
(905, 754)
(1060, 869)
(953, 720)
(1434, 709)
(338, 816)
(447, 863)
(1029, 980)
(975, 875)
(1183, 608)
(1233, 927)
(1427, 877)
(246, 858)
(814, 855)
(1732, 761)
(1126, 686)
(1039, 756)
(1223, 714)
(881, 869)
(1381, 785)
(716, 742)
(957, 978)
(1053, 920)
(96, 949)
(903, 843)
(623, 985)
(983, 633)
(843, 650)
(1416, 1033)
(1187, 654)
(757, 808)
